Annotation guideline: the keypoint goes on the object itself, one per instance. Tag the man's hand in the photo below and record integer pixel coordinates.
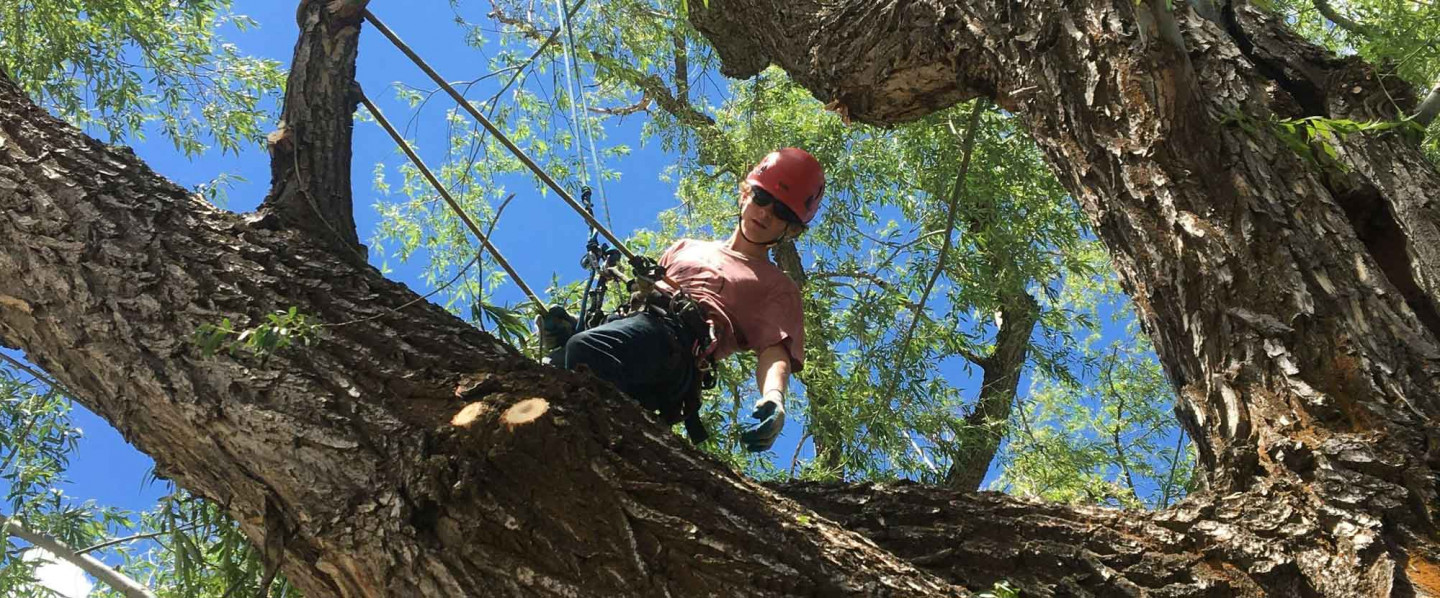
(770, 413)
(555, 326)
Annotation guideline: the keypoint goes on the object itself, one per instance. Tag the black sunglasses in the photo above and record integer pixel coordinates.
(763, 198)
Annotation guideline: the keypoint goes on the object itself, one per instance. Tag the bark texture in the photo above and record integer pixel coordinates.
(1290, 299)
(310, 151)
(375, 462)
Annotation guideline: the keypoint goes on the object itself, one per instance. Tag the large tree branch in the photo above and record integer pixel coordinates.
(370, 460)
(985, 425)
(883, 62)
(310, 152)
(408, 454)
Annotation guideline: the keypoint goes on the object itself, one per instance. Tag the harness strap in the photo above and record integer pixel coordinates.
(684, 318)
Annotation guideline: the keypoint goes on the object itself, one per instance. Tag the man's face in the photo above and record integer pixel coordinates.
(757, 222)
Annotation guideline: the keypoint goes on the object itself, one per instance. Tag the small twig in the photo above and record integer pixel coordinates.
(640, 106)
(959, 190)
(1170, 477)
(29, 424)
(1340, 20)
(480, 274)
(1119, 419)
(145, 536)
(795, 458)
(879, 282)
(37, 375)
(919, 451)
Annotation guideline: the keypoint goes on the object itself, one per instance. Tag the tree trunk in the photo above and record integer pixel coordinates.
(986, 424)
(310, 152)
(1291, 296)
(405, 453)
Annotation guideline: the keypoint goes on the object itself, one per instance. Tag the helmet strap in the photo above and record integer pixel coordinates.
(740, 226)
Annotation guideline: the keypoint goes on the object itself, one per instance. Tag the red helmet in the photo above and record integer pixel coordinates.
(794, 177)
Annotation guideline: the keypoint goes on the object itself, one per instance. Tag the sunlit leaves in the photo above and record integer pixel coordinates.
(123, 66)
(36, 441)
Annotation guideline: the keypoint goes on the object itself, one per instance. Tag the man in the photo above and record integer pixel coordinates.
(730, 297)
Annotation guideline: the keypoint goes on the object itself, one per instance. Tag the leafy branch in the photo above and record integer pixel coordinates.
(1304, 135)
(279, 330)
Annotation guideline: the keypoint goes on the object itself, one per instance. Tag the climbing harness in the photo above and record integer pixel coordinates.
(691, 334)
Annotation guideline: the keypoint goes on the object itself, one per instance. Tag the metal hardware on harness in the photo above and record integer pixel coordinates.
(601, 260)
(648, 275)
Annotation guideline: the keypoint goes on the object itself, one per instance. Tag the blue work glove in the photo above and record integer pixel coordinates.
(555, 326)
(770, 412)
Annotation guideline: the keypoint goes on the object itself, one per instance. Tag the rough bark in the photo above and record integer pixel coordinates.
(375, 461)
(1298, 338)
(310, 151)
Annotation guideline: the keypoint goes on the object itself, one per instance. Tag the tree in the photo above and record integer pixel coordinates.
(408, 453)
(119, 68)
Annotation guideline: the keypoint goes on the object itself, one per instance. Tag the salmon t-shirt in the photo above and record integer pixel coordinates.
(751, 302)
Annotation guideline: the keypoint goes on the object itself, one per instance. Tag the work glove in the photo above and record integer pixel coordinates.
(555, 326)
(770, 413)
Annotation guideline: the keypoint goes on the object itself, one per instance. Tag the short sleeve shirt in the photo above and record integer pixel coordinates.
(751, 302)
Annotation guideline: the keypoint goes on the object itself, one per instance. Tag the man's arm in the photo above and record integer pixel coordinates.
(772, 375)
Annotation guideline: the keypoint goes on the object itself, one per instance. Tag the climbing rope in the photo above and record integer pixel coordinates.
(439, 188)
(500, 136)
(576, 128)
(572, 74)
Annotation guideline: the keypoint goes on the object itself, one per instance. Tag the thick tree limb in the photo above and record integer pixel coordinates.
(985, 425)
(310, 152)
(1343, 21)
(1307, 379)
